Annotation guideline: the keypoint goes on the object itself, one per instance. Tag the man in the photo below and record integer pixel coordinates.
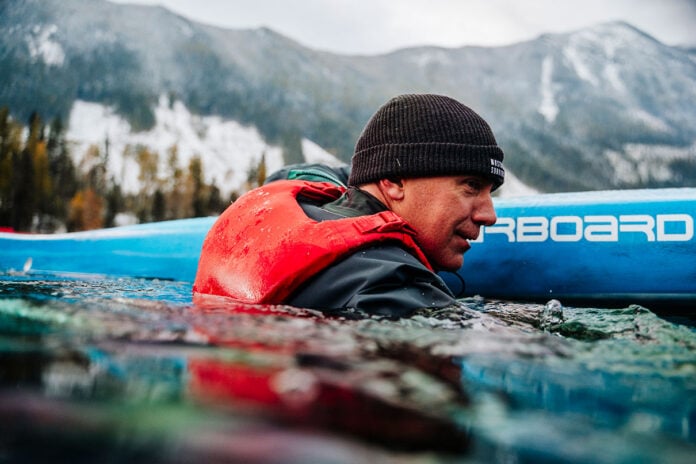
(419, 189)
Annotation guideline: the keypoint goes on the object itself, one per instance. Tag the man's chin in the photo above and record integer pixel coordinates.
(453, 266)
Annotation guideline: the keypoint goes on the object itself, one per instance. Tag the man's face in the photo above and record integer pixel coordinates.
(446, 213)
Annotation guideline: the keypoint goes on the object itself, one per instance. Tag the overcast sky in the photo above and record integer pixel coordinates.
(378, 26)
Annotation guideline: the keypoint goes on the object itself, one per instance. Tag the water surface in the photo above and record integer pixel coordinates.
(101, 369)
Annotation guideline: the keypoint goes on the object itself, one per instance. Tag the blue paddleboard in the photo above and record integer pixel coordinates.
(164, 250)
(627, 245)
(630, 245)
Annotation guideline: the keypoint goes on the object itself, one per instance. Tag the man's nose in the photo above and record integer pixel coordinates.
(484, 214)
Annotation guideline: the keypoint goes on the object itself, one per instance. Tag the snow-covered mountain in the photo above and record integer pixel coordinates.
(227, 149)
(603, 107)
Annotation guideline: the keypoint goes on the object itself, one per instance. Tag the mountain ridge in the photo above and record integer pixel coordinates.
(572, 111)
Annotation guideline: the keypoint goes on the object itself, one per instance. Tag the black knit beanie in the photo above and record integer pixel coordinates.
(424, 136)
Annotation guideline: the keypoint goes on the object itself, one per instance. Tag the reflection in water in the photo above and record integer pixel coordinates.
(98, 369)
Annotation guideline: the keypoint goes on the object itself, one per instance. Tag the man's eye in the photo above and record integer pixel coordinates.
(474, 184)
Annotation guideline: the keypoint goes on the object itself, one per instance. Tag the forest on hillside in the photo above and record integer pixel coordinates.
(43, 188)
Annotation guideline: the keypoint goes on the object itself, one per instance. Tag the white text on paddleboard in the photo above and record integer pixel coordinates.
(597, 228)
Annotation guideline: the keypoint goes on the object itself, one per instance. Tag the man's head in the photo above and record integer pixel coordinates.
(434, 162)
(425, 136)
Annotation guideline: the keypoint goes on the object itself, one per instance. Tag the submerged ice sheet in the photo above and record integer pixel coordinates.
(92, 367)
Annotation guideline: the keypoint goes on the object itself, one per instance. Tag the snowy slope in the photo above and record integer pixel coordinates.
(227, 149)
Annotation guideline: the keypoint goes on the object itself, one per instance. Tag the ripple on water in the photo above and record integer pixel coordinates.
(486, 380)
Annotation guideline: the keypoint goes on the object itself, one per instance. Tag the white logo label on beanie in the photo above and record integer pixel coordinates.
(497, 168)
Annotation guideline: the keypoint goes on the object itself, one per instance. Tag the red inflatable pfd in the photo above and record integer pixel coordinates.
(263, 247)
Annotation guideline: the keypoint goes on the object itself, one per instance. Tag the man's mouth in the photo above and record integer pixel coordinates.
(465, 239)
(468, 247)
(467, 236)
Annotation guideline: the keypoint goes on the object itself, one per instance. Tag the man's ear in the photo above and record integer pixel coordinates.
(392, 188)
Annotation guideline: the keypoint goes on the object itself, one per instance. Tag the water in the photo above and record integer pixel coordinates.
(98, 369)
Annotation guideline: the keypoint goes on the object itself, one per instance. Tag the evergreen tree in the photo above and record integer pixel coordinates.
(43, 186)
(24, 195)
(62, 170)
(158, 206)
(10, 148)
(215, 202)
(148, 162)
(197, 185)
(115, 204)
(178, 202)
(23, 200)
